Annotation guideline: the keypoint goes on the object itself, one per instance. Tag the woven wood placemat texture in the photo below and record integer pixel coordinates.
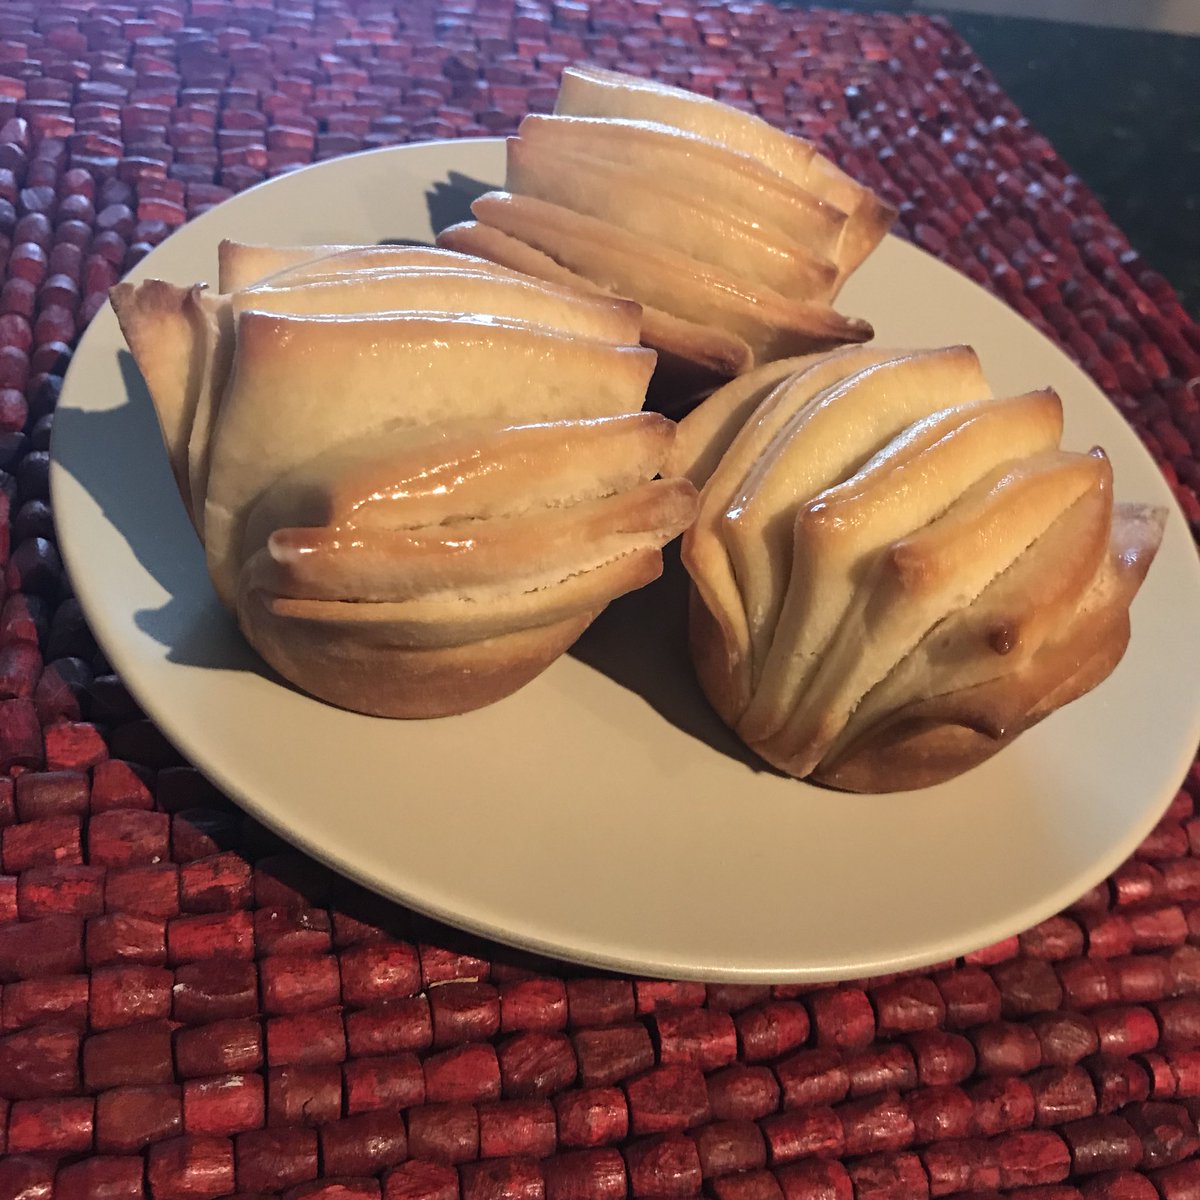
(188, 1008)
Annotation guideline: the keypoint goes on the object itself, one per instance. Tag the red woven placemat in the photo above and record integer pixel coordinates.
(190, 1009)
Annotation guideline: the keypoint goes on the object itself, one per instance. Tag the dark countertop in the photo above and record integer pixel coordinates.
(1122, 107)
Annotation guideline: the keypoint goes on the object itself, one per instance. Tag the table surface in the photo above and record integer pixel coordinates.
(189, 1008)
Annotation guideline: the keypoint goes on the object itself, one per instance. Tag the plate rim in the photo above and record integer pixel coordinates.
(159, 710)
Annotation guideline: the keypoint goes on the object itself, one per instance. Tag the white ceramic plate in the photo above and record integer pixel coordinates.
(603, 814)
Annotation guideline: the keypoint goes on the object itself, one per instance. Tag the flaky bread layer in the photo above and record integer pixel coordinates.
(593, 92)
(409, 478)
(419, 369)
(705, 550)
(651, 207)
(527, 552)
(834, 537)
(1022, 609)
(244, 264)
(774, 326)
(214, 348)
(366, 672)
(453, 290)
(451, 619)
(369, 260)
(936, 738)
(918, 581)
(708, 347)
(726, 177)
(161, 325)
(707, 432)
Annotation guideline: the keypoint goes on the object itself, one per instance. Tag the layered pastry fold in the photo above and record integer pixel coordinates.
(417, 476)
(895, 573)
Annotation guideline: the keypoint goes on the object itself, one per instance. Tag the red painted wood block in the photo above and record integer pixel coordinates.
(128, 995)
(940, 1113)
(66, 889)
(130, 1118)
(875, 1125)
(889, 1177)
(211, 935)
(44, 843)
(747, 1185)
(665, 1165)
(1001, 1104)
(335, 1189)
(45, 946)
(128, 1057)
(306, 1039)
(376, 971)
(1005, 1048)
(1167, 1131)
(595, 1002)
(304, 931)
(882, 1068)
(1054, 939)
(51, 794)
(1065, 1037)
(27, 1177)
(101, 1178)
(1031, 1158)
(533, 1005)
(295, 983)
(736, 997)
(290, 880)
(1062, 1094)
(443, 1133)
(813, 1077)
(511, 1178)
(391, 1028)
(152, 891)
(126, 938)
(119, 785)
(728, 1146)
(214, 990)
(464, 1012)
(591, 1117)
(219, 883)
(515, 1128)
(440, 964)
(843, 1019)
(970, 996)
(651, 995)
(804, 1133)
(128, 837)
(48, 999)
(303, 1095)
(270, 1159)
(1125, 1030)
(1100, 1144)
(961, 1166)
(62, 1125)
(815, 1177)
(41, 1061)
(695, 1037)
(743, 1093)
(908, 1005)
(223, 1047)
(585, 1175)
(772, 1029)
(667, 1100)
(364, 1144)
(1087, 983)
(534, 1065)
(423, 1181)
(387, 1082)
(190, 1167)
(69, 745)
(223, 1105)
(609, 1055)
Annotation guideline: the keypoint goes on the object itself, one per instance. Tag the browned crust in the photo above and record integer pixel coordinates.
(712, 349)
(929, 741)
(372, 675)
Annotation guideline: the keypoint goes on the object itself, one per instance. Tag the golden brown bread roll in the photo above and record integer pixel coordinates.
(417, 476)
(894, 574)
(735, 237)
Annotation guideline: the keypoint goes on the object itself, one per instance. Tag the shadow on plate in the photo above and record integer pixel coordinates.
(640, 642)
(450, 202)
(116, 455)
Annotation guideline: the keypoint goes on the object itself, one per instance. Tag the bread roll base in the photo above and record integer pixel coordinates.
(363, 671)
